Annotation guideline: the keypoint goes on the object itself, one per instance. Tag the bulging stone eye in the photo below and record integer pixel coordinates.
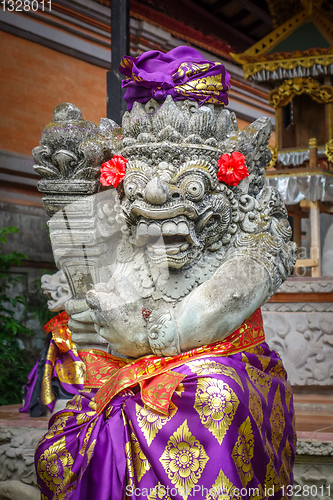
(133, 186)
(194, 189)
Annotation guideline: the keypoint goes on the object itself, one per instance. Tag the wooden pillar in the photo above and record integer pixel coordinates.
(116, 106)
(313, 143)
(315, 237)
(297, 230)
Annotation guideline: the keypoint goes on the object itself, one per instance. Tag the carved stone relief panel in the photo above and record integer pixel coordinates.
(305, 344)
(313, 481)
(295, 286)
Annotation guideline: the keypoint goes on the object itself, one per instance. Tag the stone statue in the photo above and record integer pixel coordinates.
(198, 249)
(167, 272)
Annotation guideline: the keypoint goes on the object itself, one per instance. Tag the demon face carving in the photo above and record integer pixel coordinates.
(176, 207)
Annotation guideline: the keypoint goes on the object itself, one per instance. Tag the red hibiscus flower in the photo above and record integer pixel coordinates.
(113, 171)
(232, 168)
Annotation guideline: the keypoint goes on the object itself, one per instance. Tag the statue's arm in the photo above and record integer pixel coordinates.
(220, 305)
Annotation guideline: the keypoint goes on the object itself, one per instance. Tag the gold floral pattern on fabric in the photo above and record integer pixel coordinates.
(277, 420)
(242, 452)
(54, 466)
(140, 461)
(294, 428)
(57, 427)
(151, 422)
(255, 406)
(84, 417)
(190, 69)
(87, 437)
(278, 371)
(216, 404)
(208, 86)
(288, 395)
(184, 459)
(285, 470)
(260, 380)
(46, 393)
(264, 361)
(272, 479)
(129, 465)
(100, 366)
(208, 367)
(75, 403)
(70, 372)
(90, 450)
(180, 389)
(223, 489)
(159, 493)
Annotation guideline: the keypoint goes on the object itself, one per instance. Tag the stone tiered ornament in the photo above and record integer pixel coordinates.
(167, 273)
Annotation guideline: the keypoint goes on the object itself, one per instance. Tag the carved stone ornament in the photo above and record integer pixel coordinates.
(56, 287)
(297, 86)
(69, 156)
(17, 470)
(172, 239)
(304, 341)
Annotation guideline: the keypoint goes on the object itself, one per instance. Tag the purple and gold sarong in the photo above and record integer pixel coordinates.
(61, 362)
(213, 423)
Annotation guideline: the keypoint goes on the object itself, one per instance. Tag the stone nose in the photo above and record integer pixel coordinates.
(156, 191)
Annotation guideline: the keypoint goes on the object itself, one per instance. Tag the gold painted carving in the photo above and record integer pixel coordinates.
(305, 62)
(297, 86)
(274, 151)
(329, 150)
(267, 43)
(296, 54)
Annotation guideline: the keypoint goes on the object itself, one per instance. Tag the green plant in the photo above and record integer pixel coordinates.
(14, 367)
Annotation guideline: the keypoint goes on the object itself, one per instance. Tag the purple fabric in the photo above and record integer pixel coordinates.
(67, 367)
(32, 378)
(230, 425)
(155, 74)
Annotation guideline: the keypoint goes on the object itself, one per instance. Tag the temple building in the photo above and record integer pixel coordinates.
(296, 60)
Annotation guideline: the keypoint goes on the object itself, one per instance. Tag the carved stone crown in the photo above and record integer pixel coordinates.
(181, 122)
(183, 131)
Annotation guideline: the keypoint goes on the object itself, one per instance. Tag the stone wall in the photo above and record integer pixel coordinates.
(302, 332)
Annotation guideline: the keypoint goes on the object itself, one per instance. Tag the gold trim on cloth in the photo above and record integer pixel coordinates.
(59, 359)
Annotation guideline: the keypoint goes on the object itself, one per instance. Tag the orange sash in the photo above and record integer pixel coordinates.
(111, 375)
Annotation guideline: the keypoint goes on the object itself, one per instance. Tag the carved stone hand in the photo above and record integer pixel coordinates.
(117, 311)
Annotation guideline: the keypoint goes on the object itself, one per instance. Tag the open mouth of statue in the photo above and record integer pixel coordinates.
(168, 242)
(167, 245)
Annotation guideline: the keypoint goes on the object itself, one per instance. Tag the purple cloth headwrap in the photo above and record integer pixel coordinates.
(182, 73)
